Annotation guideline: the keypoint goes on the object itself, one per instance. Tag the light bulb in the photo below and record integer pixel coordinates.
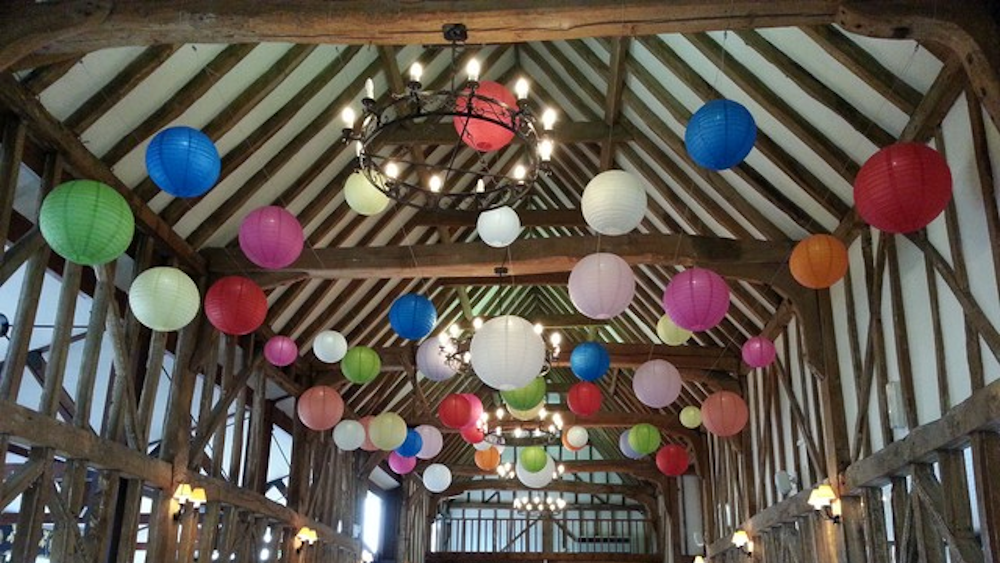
(545, 150)
(472, 69)
(561, 469)
(561, 503)
(539, 328)
(391, 170)
(435, 183)
(521, 89)
(500, 413)
(416, 71)
(485, 416)
(542, 413)
(369, 89)
(520, 173)
(555, 339)
(480, 186)
(454, 330)
(548, 119)
(265, 554)
(477, 323)
(358, 149)
(348, 117)
(215, 555)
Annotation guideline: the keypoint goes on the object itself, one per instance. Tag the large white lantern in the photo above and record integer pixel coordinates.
(601, 285)
(432, 361)
(437, 478)
(499, 227)
(506, 353)
(330, 346)
(540, 479)
(349, 435)
(614, 202)
(363, 197)
(164, 299)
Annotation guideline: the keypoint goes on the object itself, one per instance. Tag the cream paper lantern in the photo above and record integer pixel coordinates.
(330, 346)
(577, 436)
(670, 333)
(164, 299)
(530, 414)
(349, 435)
(499, 227)
(363, 196)
(437, 478)
(387, 431)
(506, 353)
(614, 202)
(540, 479)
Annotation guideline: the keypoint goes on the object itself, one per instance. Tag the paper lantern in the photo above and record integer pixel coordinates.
(412, 445)
(476, 131)
(271, 237)
(644, 438)
(367, 445)
(437, 478)
(473, 434)
(902, 188)
(529, 414)
(488, 460)
(577, 436)
(235, 305)
(360, 365)
(455, 411)
(589, 361)
(387, 431)
(584, 398)
(183, 162)
(431, 439)
(671, 334)
(614, 202)
(349, 435)
(86, 222)
(480, 446)
(506, 353)
(412, 316)
(475, 409)
(672, 460)
(164, 299)
(320, 408)
(432, 361)
(498, 227)
(818, 261)
(657, 383)
(720, 135)
(601, 285)
(401, 465)
(533, 459)
(364, 197)
(567, 445)
(758, 352)
(690, 417)
(696, 299)
(330, 346)
(724, 413)
(281, 351)
(527, 397)
(540, 479)
(625, 448)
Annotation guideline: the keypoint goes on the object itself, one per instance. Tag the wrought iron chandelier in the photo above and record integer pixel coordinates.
(455, 343)
(539, 505)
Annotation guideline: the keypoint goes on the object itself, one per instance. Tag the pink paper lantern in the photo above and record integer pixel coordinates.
(281, 351)
(758, 352)
(724, 413)
(696, 299)
(320, 408)
(601, 285)
(482, 133)
(271, 237)
(401, 465)
(657, 383)
(475, 409)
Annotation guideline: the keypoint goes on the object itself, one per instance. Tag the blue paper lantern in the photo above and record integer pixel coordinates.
(412, 316)
(412, 445)
(183, 162)
(720, 134)
(589, 361)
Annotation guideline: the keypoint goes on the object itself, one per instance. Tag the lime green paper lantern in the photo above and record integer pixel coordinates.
(670, 333)
(533, 459)
(164, 299)
(644, 438)
(691, 417)
(361, 364)
(527, 397)
(86, 222)
(387, 431)
(364, 197)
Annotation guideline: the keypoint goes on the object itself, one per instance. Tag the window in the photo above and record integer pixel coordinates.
(371, 535)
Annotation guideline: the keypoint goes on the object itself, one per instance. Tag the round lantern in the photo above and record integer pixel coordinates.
(320, 408)
(758, 352)
(696, 299)
(477, 132)
(506, 353)
(577, 436)
(349, 435)
(86, 222)
(584, 398)
(330, 346)
(473, 434)
(387, 431)
(613, 202)
(539, 479)
(601, 285)
(529, 414)
(235, 305)
(488, 460)
(672, 460)
(644, 438)
(480, 446)
(432, 361)
(720, 135)
(366, 423)
(902, 188)
(281, 351)
(527, 397)
(818, 261)
(431, 439)
(401, 465)
(657, 383)
(626, 449)
(412, 316)
(533, 458)
(360, 365)
(271, 237)
(364, 197)
(183, 162)
(455, 411)
(589, 361)
(724, 413)
(690, 417)
(437, 478)
(412, 445)
(567, 445)
(475, 409)
(499, 227)
(671, 334)
(164, 299)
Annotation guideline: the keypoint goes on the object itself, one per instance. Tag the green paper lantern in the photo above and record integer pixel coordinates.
(533, 459)
(86, 222)
(670, 333)
(644, 438)
(361, 364)
(387, 431)
(527, 397)
(690, 417)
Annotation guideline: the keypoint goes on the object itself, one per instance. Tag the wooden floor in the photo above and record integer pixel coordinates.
(460, 557)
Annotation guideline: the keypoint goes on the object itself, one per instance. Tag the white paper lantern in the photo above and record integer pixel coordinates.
(330, 346)
(432, 361)
(601, 286)
(614, 202)
(577, 436)
(432, 441)
(164, 299)
(363, 197)
(349, 435)
(537, 480)
(482, 446)
(657, 383)
(506, 353)
(499, 227)
(437, 478)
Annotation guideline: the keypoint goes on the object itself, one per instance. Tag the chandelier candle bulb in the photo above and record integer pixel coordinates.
(545, 150)
(480, 186)
(472, 69)
(392, 170)
(435, 184)
(521, 89)
(519, 173)
(548, 119)
(369, 89)
(416, 71)
(348, 116)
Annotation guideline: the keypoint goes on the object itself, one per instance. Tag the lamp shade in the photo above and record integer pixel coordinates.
(758, 352)
(183, 162)
(584, 398)
(589, 361)
(387, 431)
(360, 365)
(539, 479)
(431, 441)
(626, 448)
(577, 436)
(455, 411)
(657, 383)
(473, 434)
(601, 285)
(614, 202)
(412, 445)
(818, 261)
(644, 438)
(437, 478)
(506, 353)
(401, 465)
(86, 222)
(330, 346)
(720, 135)
(364, 197)
(498, 227)
(724, 413)
(526, 397)
(281, 351)
(902, 188)
(696, 299)
(320, 408)
(349, 435)
(432, 361)
(690, 417)
(671, 334)
(164, 299)
(533, 458)
(488, 459)
(271, 237)
(478, 129)
(235, 305)
(412, 316)
(672, 460)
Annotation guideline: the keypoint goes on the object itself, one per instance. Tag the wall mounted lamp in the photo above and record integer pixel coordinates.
(185, 495)
(741, 540)
(824, 500)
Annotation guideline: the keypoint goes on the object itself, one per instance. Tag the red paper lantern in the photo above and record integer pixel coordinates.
(478, 132)
(367, 445)
(320, 408)
(672, 460)
(475, 409)
(454, 411)
(902, 188)
(584, 398)
(473, 434)
(235, 305)
(724, 413)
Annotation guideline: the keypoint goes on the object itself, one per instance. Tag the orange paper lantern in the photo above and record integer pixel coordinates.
(488, 460)
(320, 408)
(819, 261)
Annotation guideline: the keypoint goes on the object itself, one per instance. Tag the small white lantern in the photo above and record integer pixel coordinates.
(601, 286)
(540, 479)
(577, 436)
(330, 346)
(506, 353)
(437, 478)
(349, 435)
(499, 227)
(363, 196)
(164, 299)
(614, 202)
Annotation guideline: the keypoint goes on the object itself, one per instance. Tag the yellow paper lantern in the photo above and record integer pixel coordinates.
(670, 333)
(363, 196)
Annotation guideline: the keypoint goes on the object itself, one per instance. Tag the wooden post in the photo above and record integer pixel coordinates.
(985, 460)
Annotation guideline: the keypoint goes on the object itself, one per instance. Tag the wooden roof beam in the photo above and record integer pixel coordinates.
(613, 100)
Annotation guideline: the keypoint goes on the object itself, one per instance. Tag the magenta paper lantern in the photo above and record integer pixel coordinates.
(657, 383)
(759, 352)
(401, 465)
(271, 237)
(281, 351)
(475, 409)
(601, 285)
(696, 299)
